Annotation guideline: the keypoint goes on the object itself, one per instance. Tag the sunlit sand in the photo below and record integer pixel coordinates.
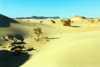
(76, 45)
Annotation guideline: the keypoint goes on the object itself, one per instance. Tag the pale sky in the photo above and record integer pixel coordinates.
(61, 8)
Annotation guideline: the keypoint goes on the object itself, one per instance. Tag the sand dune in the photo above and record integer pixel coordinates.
(5, 21)
(71, 50)
(75, 47)
(67, 46)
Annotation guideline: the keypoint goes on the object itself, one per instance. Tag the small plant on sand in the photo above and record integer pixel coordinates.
(92, 21)
(19, 48)
(41, 21)
(38, 33)
(17, 44)
(66, 22)
(53, 21)
(12, 39)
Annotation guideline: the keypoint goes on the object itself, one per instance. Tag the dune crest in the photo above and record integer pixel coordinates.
(5, 21)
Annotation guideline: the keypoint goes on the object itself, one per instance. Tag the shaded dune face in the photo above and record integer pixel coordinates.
(11, 28)
(7, 59)
(5, 21)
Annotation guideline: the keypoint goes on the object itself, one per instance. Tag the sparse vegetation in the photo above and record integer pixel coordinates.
(13, 38)
(38, 32)
(53, 21)
(16, 45)
(92, 21)
(41, 21)
(66, 22)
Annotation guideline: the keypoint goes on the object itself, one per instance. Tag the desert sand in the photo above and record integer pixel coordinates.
(67, 46)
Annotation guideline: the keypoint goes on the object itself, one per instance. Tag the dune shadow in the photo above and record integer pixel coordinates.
(0, 44)
(75, 26)
(18, 36)
(5, 21)
(54, 38)
(7, 59)
(4, 24)
(19, 32)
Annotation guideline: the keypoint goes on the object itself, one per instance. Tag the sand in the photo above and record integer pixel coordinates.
(74, 50)
(76, 46)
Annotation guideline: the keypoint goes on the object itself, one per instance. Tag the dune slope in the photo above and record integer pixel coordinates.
(79, 49)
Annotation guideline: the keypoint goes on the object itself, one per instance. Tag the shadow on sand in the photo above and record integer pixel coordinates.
(54, 38)
(75, 26)
(5, 21)
(17, 36)
(7, 59)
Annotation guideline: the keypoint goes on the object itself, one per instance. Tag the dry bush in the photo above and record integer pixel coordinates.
(13, 39)
(19, 48)
(52, 21)
(98, 20)
(38, 33)
(41, 21)
(66, 22)
(92, 21)
(16, 44)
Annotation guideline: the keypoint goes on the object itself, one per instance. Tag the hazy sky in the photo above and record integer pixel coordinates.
(62, 8)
